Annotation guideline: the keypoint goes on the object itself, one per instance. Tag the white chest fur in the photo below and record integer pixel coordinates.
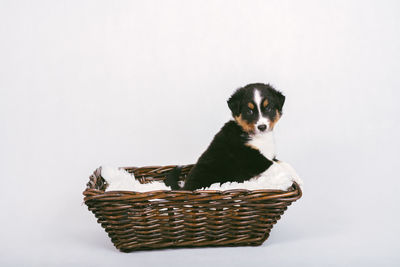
(265, 143)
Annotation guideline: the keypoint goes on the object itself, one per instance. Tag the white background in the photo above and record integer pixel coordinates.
(134, 83)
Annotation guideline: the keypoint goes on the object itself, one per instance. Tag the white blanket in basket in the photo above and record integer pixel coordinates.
(278, 176)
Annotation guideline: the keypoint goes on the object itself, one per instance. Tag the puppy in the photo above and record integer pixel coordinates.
(244, 147)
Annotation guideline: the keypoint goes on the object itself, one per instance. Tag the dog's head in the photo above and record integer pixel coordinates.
(256, 107)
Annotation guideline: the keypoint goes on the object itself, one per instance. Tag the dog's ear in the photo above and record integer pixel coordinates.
(234, 102)
(280, 100)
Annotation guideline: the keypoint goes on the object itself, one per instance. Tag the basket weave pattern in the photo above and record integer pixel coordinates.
(160, 219)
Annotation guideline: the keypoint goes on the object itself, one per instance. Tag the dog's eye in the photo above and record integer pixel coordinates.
(249, 112)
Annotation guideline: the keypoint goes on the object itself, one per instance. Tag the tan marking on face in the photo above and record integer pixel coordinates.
(247, 127)
(265, 103)
(250, 105)
(278, 116)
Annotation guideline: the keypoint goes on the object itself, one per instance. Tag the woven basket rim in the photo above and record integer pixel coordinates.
(92, 193)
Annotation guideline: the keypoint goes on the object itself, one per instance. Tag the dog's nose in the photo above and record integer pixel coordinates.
(262, 127)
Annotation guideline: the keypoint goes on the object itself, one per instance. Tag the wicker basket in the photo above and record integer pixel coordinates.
(160, 219)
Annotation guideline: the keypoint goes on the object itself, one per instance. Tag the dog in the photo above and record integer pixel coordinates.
(244, 147)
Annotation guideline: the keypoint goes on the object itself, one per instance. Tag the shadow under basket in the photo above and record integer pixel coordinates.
(162, 219)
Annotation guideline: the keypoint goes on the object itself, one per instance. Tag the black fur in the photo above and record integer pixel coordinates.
(172, 178)
(228, 158)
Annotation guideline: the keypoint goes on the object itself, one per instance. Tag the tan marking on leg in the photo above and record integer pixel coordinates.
(278, 116)
(247, 127)
(250, 105)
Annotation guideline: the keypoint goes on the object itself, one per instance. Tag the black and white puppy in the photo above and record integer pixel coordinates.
(244, 147)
